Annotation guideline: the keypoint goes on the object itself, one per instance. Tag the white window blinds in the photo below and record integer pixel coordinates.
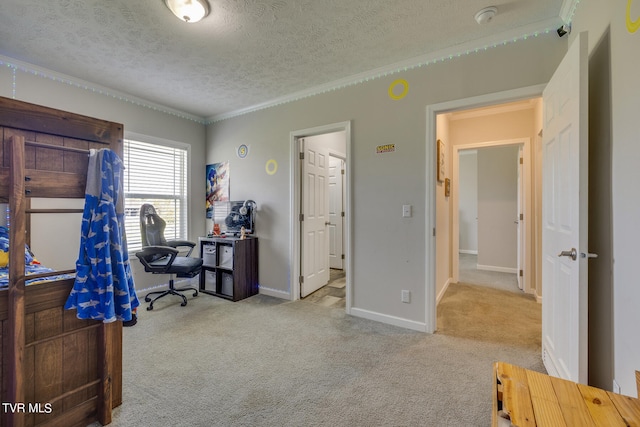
(155, 174)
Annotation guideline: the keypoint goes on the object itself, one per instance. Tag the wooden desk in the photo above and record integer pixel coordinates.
(529, 398)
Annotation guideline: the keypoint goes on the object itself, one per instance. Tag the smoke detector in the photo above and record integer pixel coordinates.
(485, 15)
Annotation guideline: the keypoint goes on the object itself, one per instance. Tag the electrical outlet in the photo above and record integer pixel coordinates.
(406, 296)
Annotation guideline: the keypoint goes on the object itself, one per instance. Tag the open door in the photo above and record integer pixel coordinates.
(315, 216)
(564, 217)
(336, 212)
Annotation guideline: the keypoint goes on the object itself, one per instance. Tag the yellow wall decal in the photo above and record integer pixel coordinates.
(271, 167)
(405, 89)
(632, 26)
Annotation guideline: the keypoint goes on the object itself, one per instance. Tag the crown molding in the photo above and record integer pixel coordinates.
(37, 71)
(474, 46)
(568, 9)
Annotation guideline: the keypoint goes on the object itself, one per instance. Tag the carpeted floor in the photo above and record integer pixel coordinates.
(264, 361)
(492, 315)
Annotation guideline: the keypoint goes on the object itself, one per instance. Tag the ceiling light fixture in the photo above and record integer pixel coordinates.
(190, 11)
(485, 15)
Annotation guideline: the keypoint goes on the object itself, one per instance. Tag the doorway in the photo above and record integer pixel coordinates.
(491, 192)
(320, 200)
(440, 243)
(501, 169)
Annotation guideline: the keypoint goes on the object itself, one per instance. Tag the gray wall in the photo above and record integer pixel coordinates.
(497, 208)
(468, 201)
(388, 253)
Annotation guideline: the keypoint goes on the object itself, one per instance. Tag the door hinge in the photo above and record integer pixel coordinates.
(301, 217)
(301, 279)
(301, 156)
(342, 256)
(342, 171)
(521, 160)
(521, 217)
(342, 214)
(521, 273)
(434, 232)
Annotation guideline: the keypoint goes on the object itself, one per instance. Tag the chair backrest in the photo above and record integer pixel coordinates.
(151, 227)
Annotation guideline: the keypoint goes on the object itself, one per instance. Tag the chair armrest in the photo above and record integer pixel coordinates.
(149, 254)
(182, 243)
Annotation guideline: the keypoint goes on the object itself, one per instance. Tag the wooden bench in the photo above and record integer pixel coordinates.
(527, 398)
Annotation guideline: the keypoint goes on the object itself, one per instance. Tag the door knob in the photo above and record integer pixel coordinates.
(327, 223)
(573, 254)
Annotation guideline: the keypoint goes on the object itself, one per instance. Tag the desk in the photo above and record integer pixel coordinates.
(529, 398)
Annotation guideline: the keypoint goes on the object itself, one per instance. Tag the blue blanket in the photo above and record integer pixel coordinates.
(103, 288)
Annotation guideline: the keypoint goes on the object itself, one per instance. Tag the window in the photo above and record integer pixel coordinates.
(155, 174)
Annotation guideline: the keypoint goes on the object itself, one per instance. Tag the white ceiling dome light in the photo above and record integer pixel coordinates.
(485, 15)
(190, 11)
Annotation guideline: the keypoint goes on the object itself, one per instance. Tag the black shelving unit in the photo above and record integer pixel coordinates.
(230, 267)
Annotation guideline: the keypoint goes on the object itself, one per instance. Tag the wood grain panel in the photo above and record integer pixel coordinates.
(36, 118)
(49, 159)
(573, 405)
(48, 323)
(76, 367)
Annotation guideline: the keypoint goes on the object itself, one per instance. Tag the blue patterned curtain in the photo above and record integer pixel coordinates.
(103, 288)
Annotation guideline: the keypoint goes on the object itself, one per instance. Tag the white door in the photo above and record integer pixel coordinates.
(315, 216)
(518, 221)
(564, 217)
(336, 210)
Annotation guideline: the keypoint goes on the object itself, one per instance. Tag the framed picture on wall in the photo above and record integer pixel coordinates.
(440, 161)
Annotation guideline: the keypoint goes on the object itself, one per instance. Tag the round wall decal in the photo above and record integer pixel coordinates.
(632, 25)
(242, 151)
(271, 167)
(405, 89)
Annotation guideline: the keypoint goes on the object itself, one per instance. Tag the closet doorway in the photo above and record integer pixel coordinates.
(320, 200)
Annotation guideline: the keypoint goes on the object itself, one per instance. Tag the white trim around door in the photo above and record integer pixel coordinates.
(294, 253)
(430, 241)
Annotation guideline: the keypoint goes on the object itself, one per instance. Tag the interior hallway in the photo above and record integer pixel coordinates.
(488, 306)
(470, 274)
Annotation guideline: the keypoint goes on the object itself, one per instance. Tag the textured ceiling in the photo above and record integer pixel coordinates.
(246, 52)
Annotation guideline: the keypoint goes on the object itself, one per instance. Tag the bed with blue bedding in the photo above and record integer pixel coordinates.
(32, 265)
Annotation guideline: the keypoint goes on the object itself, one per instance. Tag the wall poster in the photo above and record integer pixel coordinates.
(217, 185)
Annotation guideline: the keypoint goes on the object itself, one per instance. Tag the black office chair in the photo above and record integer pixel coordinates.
(159, 256)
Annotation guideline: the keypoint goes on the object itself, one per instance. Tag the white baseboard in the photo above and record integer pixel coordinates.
(390, 320)
(498, 269)
(277, 293)
(468, 251)
(444, 289)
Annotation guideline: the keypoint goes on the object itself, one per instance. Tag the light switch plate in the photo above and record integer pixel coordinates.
(406, 211)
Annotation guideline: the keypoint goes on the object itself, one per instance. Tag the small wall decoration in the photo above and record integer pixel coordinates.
(271, 167)
(387, 148)
(243, 151)
(392, 87)
(217, 185)
(447, 187)
(440, 159)
(632, 26)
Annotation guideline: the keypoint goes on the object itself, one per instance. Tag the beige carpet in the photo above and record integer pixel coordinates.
(264, 362)
(490, 315)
